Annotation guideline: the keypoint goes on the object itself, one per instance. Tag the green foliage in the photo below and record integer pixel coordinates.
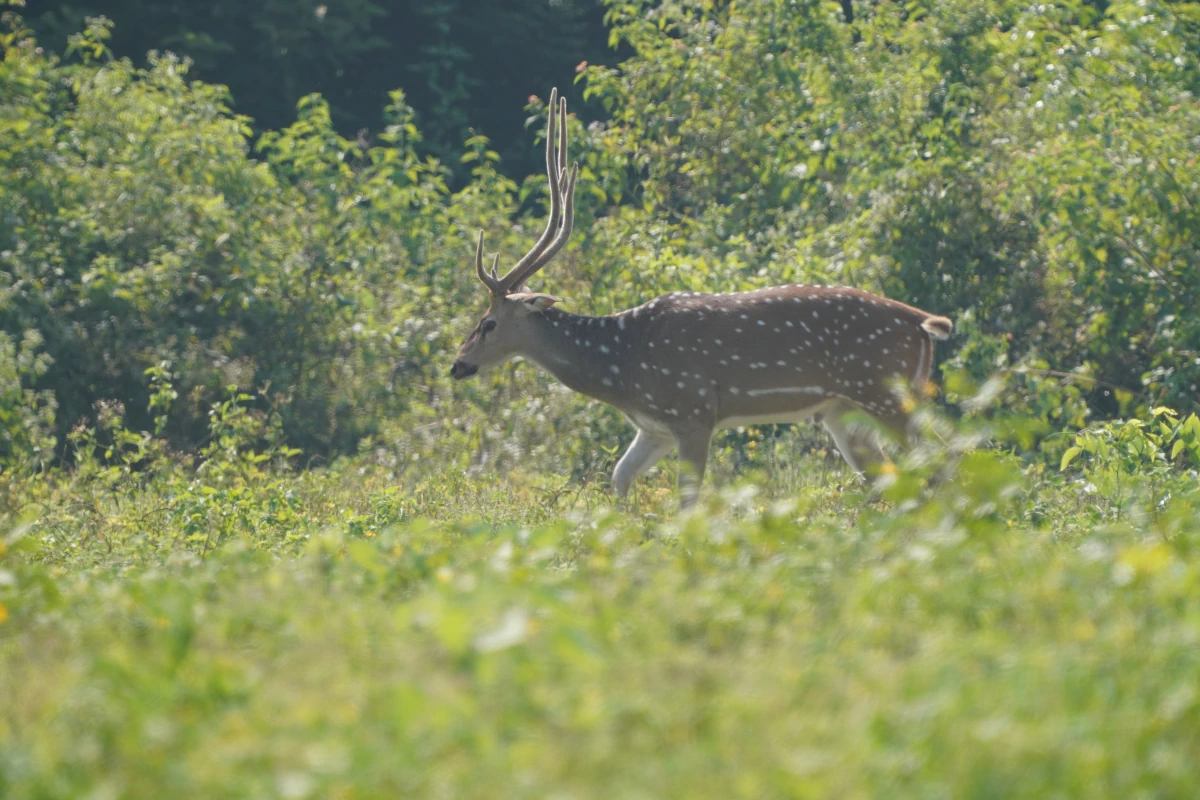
(136, 230)
(926, 153)
(344, 633)
(281, 555)
(1139, 467)
(1028, 164)
(26, 414)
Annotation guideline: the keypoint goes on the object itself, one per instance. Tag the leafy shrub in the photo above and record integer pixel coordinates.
(1028, 164)
(26, 414)
(182, 612)
(137, 230)
(928, 152)
(1139, 466)
(350, 634)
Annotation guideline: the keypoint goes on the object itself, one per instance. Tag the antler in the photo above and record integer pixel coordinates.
(562, 209)
(491, 282)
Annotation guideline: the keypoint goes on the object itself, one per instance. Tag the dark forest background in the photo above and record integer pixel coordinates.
(463, 64)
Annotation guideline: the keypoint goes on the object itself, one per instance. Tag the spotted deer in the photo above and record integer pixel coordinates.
(685, 364)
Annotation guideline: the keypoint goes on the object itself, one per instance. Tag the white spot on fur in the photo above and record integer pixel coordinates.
(787, 390)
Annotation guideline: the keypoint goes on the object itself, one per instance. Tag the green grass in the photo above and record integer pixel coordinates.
(343, 633)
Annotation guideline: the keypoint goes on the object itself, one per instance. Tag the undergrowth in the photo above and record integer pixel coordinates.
(974, 624)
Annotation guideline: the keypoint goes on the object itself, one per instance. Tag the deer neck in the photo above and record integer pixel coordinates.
(587, 354)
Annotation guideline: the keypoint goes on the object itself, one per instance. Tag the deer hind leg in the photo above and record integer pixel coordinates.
(858, 444)
(643, 454)
(693, 458)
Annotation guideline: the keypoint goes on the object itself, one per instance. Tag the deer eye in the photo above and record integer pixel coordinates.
(488, 326)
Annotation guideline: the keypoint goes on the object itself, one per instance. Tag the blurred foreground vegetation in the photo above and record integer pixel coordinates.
(253, 541)
(983, 627)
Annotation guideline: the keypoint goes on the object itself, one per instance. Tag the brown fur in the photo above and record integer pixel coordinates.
(683, 365)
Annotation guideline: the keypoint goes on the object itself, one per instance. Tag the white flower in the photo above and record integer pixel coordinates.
(513, 628)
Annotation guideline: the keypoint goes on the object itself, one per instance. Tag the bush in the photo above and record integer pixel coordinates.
(1030, 164)
(135, 228)
(1025, 170)
(26, 415)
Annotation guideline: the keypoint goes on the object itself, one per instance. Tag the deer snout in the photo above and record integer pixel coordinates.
(461, 369)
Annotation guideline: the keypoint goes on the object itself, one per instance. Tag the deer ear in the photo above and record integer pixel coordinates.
(539, 302)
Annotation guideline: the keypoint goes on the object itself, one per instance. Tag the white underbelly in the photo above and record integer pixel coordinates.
(648, 424)
(775, 417)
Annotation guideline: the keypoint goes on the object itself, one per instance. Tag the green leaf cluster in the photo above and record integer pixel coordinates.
(1030, 165)
(1026, 170)
(337, 633)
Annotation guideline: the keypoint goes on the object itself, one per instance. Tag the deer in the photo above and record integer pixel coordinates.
(685, 364)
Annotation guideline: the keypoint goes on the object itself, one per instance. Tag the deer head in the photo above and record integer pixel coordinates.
(503, 330)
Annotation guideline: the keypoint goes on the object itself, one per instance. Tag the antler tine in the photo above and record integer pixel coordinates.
(562, 138)
(567, 201)
(491, 282)
(564, 231)
(553, 166)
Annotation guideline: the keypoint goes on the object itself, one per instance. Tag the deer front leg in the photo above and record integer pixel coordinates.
(693, 457)
(643, 454)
